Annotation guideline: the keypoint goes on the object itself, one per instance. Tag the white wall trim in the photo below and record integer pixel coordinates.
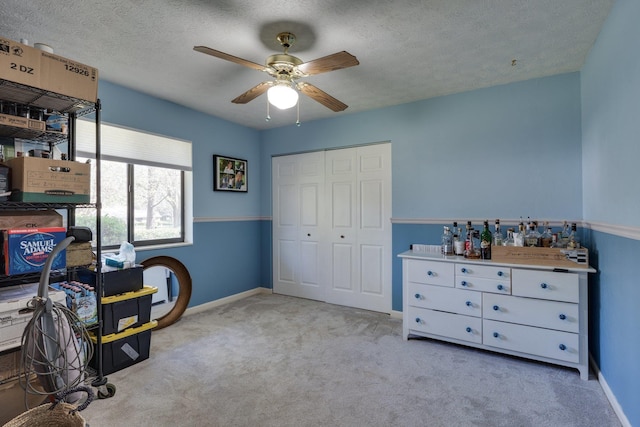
(396, 314)
(609, 394)
(617, 230)
(226, 300)
(230, 218)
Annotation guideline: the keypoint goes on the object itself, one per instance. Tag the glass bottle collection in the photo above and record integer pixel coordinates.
(476, 244)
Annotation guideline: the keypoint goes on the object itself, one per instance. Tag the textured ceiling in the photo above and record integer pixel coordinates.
(408, 49)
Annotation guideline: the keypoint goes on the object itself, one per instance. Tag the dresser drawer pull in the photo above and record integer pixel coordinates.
(463, 283)
(500, 287)
(562, 347)
(468, 329)
(496, 335)
(496, 308)
(500, 273)
(469, 304)
(562, 316)
(463, 270)
(418, 320)
(544, 285)
(418, 296)
(430, 273)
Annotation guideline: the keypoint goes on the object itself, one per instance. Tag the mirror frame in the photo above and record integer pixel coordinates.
(184, 282)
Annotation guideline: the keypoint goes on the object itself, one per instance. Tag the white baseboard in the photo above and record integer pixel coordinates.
(206, 306)
(396, 314)
(607, 392)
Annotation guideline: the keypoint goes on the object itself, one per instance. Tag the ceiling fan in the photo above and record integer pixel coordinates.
(286, 70)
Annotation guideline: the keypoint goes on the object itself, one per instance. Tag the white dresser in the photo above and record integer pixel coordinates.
(532, 311)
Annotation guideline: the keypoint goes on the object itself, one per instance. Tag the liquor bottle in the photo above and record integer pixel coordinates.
(547, 236)
(468, 239)
(518, 239)
(563, 237)
(497, 235)
(532, 236)
(469, 246)
(454, 235)
(447, 242)
(574, 241)
(509, 241)
(458, 243)
(485, 242)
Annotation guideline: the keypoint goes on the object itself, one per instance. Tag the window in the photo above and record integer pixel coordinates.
(145, 186)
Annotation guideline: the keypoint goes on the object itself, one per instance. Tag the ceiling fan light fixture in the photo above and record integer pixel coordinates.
(282, 96)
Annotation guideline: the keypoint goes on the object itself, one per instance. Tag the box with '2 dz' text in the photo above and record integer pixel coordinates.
(34, 67)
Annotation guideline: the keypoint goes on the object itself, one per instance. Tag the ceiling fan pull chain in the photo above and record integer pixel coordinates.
(298, 116)
(268, 116)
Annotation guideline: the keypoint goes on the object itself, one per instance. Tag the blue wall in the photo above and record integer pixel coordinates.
(496, 153)
(611, 148)
(227, 232)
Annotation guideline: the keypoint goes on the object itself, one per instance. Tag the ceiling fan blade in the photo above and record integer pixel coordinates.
(332, 62)
(322, 97)
(227, 57)
(253, 93)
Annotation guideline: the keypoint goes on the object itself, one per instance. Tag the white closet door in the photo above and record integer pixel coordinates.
(358, 197)
(298, 188)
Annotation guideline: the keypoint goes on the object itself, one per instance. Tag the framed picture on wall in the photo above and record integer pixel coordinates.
(229, 174)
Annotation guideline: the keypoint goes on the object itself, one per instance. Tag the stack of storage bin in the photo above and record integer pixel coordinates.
(126, 318)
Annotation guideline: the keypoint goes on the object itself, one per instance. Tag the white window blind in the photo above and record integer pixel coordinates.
(121, 144)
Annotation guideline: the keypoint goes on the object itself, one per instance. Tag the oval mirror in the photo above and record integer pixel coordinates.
(173, 281)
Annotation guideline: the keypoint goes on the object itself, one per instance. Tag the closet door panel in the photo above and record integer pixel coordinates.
(298, 188)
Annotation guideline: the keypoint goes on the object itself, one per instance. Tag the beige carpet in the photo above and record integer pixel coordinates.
(272, 360)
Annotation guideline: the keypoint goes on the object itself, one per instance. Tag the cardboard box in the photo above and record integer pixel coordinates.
(41, 180)
(29, 219)
(22, 122)
(34, 67)
(130, 310)
(554, 257)
(14, 313)
(124, 349)
(79, 254)
(26, 249)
